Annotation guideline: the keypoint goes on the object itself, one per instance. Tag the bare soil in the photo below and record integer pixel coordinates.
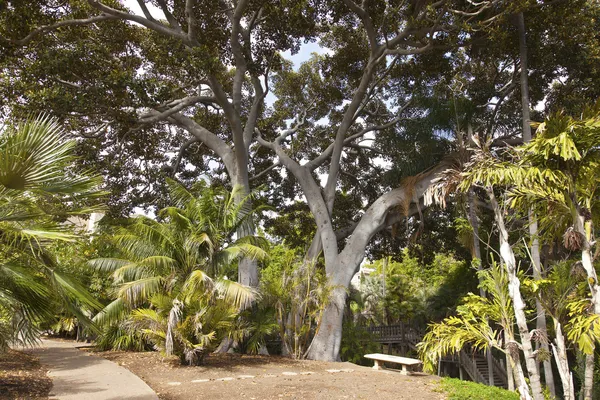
(232, 376)
(22, 376)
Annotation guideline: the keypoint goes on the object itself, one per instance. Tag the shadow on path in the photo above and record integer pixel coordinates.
(79, 375)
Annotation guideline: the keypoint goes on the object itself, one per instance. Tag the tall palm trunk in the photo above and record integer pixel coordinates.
(514, 290)
(560, 355)
(533, 225)
(585, 228)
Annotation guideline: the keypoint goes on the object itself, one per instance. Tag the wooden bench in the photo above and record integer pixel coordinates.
(407, 363)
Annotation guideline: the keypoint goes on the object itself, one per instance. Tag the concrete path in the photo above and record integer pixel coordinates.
(80, 375)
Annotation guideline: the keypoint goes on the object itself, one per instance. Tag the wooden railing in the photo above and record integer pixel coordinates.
(406, 334)
(470, 367)
(499, 368)
(400, 333)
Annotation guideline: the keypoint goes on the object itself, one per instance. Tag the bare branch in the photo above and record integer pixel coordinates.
(299, 122)
(145, 10)
(209, 139)
(170, 18)
(265, 171)
(318, 161)
(182, 149)
(154, 25)
(367, 22)
(53, 27)
(96, 133)
(162, 113)
(69, 84)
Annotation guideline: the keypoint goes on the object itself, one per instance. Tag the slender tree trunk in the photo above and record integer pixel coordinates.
(476, 253)
(520, 381)
(513, 364)
(585, 228)
(533, 226)
(588, 379)
(560, 356)
(514, 289)
(490, 363)
(509, 374)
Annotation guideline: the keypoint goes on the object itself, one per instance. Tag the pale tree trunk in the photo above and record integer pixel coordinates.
(533, 226)
(341, 267)
(560, 356)
(476, 253)
(520, 381)
(514, 289)
(588, 380)
(585, 229)
(509, 373)
(247, 267)
(325, 346)
(514, 371)
(517, 377)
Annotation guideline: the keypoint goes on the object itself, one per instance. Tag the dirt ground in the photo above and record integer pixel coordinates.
(22, 377)
(231, 376)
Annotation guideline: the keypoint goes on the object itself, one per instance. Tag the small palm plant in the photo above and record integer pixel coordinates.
(167, 284)
(39, 189)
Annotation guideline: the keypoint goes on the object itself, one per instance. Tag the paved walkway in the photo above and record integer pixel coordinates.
(80, 375)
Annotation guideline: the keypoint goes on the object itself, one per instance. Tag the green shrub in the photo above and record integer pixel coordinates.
(356, 342)
(466, 390)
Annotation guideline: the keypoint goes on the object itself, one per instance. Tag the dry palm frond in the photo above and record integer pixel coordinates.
(573, 240)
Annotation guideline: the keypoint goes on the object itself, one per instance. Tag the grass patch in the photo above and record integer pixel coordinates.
(466, 390)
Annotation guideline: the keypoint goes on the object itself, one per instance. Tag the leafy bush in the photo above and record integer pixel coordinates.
(121, 337)
(466, 390)
(298, 292)
(356, 342)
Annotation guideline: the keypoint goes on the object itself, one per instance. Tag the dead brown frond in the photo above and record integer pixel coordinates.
(512, 348)
(573, 240)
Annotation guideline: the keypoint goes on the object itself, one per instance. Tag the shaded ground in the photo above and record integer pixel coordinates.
(80, 375)
(259, 377)
(22, 377)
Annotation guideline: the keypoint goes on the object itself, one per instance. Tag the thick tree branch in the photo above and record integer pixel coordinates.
(191, 19)
(314, 198)
(150, 24)
(257, 102)
(209, 139)
(367, 23)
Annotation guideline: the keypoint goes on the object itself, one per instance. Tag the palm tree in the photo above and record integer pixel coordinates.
(481, 322)
(557, 175)
(170, 274)
(38, 190)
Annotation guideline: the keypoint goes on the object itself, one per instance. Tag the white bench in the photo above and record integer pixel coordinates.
(407, 363)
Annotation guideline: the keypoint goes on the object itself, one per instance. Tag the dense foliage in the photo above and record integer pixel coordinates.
(403, 145)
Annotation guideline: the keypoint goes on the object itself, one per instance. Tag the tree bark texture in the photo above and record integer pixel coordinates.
(585, 228)
(533, 226)
(514, 289)
(562, 362)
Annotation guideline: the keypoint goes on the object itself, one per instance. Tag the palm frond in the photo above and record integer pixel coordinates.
(241, 296)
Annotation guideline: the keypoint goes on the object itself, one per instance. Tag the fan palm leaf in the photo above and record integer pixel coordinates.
(38, 185)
